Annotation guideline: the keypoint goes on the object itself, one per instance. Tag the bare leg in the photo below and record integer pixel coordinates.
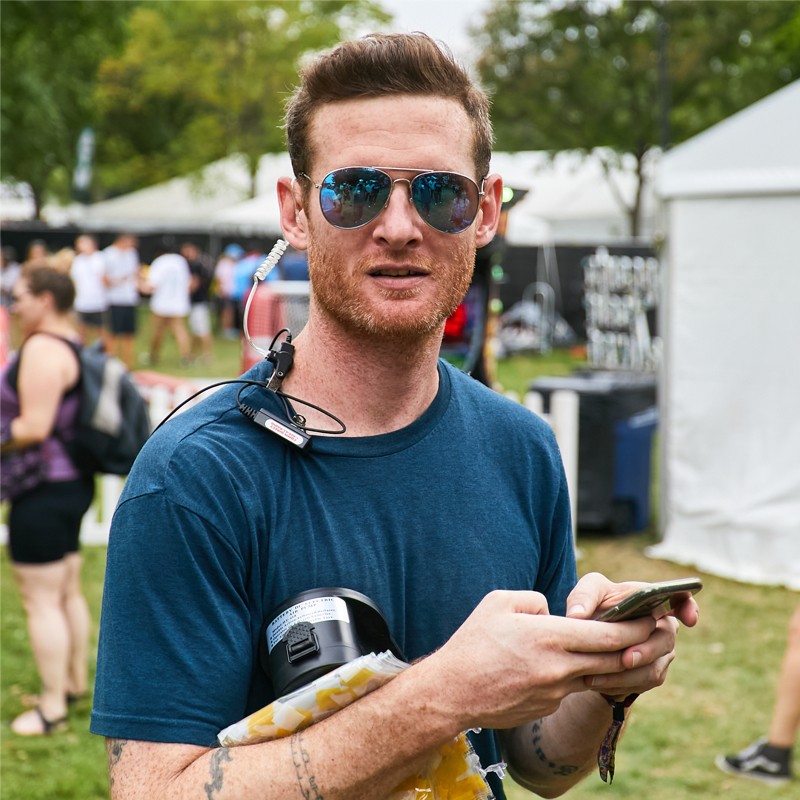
(127, 351)
(42, 590)
(178, 327)
(76, 612)
(159, 327)
(785, 723)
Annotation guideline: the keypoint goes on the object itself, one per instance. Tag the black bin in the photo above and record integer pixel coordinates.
(608, 401)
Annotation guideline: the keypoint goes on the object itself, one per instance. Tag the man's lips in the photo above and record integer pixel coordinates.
(397, 272)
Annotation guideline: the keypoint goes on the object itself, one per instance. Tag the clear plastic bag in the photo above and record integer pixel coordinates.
(453, 773)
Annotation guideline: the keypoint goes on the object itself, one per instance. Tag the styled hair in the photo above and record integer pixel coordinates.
(378, 65)
(48, 279)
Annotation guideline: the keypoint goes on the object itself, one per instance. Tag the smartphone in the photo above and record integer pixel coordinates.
(643, 602)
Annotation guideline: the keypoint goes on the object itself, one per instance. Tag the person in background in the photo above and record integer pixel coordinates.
(11, 269)
(243, 276)
(61, 260)
(442, 501)
(202, 271)
(293, 265)
(122, 291)
(40, 406)
(36, 252)
(223, 278)
(168, 283)
(769, 759)
(91, 300)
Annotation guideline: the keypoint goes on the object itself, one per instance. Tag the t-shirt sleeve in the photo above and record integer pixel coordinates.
(558, 572)
(175, 654)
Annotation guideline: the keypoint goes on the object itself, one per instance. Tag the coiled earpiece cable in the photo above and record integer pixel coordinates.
(294, 428)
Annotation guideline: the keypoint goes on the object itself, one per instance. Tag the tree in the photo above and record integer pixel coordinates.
(49, 54)
(629, 76)
(203, 80)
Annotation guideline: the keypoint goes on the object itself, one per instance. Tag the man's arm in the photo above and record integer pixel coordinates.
(552, 754)
(509, 663)
(363, 751)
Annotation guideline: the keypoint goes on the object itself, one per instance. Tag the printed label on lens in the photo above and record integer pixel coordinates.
(319, 609)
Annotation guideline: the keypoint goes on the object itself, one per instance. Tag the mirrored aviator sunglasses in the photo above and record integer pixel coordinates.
(352, 197)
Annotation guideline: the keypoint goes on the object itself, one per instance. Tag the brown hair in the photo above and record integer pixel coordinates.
(48, 279)
(384, 64)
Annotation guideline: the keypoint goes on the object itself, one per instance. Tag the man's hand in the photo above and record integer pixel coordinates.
(645, 663)
(511, 662)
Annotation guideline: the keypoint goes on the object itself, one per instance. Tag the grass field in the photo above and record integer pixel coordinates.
(718, 698)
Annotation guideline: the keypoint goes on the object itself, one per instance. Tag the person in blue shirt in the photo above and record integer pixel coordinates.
(443, 502)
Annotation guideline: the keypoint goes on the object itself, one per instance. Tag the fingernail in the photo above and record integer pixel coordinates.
(636, 657)
(576, 610)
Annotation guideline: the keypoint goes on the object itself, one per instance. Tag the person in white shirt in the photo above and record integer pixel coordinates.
(122, 292)
(88, 274)
(168, 283)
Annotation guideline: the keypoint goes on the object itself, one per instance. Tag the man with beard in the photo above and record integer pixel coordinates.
(443, 502)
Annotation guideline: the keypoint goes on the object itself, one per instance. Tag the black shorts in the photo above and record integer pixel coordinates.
(92, 319)
(122, 320)
(44, 524)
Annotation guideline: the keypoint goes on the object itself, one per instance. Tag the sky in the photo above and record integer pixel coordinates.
(442, 19)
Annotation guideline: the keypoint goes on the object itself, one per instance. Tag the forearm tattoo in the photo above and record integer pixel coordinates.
(554, 769)
(305, 780)
(219, 756)
(114, 748)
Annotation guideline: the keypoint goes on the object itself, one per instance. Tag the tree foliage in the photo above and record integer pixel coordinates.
(199, 81)
(167, 86)
(629, 76)
(49, 55)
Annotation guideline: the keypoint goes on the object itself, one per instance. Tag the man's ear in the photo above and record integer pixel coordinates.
(489, 213)
(292, 213)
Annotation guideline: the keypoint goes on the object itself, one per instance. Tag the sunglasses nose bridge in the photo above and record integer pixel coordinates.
(400, 180)
(408, 195)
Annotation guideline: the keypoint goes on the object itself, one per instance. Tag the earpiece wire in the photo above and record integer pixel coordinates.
(267, 265)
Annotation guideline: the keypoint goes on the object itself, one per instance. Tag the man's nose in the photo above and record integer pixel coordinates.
(399, 223)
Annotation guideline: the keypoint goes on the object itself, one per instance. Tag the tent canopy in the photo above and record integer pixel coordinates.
(730, 434)
(751, 153)
(569, 200)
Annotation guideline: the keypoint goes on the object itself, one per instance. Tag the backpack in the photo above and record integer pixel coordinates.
(113, 422)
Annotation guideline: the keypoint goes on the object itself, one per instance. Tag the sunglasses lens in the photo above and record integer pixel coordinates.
(353, 196)
(447, 201)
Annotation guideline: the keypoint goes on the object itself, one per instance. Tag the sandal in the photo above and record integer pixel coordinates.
(32, 700)
(47, 726)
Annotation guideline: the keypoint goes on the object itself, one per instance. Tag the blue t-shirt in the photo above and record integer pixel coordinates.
(221, 521)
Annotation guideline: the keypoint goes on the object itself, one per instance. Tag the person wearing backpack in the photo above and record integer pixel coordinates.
(49, 495)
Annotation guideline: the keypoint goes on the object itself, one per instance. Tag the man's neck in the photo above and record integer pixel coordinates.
(373, 385)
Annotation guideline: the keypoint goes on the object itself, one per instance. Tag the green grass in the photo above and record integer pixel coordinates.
(516, 372)
(718, 697)
(65, 766)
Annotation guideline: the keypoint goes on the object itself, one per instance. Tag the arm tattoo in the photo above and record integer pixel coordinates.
(305, 780)
(217, 757)
(552, 767)
(114, 748)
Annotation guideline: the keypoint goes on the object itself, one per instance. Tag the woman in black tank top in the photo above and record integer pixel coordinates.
(40, 401)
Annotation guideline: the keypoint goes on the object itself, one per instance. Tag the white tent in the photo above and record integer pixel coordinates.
(187, 202)
(260, 214)
(730, 410)
(571, 200)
